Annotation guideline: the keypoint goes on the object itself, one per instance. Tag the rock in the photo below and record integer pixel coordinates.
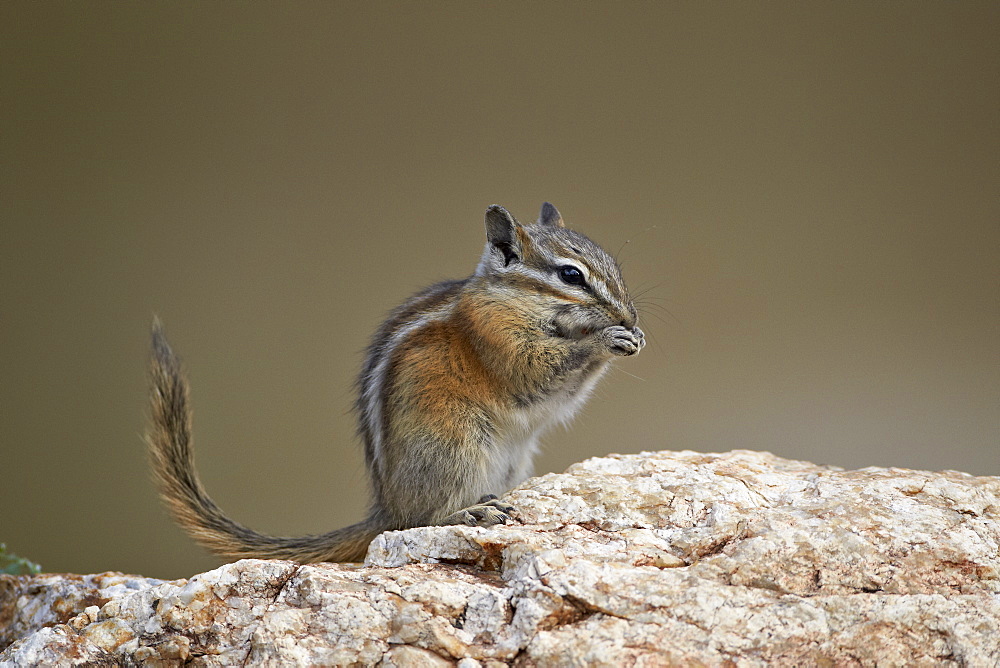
(30, 602)
(658, 558)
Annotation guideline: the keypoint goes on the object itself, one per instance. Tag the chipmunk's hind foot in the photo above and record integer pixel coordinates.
(488, 512)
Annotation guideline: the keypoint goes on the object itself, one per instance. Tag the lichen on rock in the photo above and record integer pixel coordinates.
(655, 558)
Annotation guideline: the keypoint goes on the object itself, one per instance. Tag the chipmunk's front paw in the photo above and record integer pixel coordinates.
(623, 341)
(488, 512)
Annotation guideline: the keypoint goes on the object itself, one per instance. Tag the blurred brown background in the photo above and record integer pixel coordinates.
(806, 194)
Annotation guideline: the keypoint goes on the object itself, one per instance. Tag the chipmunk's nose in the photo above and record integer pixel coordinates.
(630, 318)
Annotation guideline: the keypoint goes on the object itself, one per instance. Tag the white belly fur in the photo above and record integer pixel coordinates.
(518, 440)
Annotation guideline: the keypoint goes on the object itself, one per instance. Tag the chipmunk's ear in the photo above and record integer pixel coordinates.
(550, 216)
(501, 234)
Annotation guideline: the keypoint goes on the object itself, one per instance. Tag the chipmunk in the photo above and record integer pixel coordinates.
(457, 386)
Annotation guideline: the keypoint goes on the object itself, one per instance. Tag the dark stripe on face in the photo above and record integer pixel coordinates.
(532, 284)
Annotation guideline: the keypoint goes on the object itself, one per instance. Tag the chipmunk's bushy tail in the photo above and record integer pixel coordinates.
(172, 458)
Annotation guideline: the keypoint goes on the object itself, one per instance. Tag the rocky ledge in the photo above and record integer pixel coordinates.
(663, 558)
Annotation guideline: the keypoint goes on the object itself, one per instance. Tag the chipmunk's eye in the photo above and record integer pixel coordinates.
(570, 274)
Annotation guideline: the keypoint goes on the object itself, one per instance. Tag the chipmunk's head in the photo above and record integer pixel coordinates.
(570, 282)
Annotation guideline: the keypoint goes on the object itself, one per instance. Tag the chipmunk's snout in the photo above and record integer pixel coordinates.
(630, 319)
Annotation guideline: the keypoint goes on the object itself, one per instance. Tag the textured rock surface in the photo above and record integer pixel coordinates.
(30, 602)
(652, 559)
